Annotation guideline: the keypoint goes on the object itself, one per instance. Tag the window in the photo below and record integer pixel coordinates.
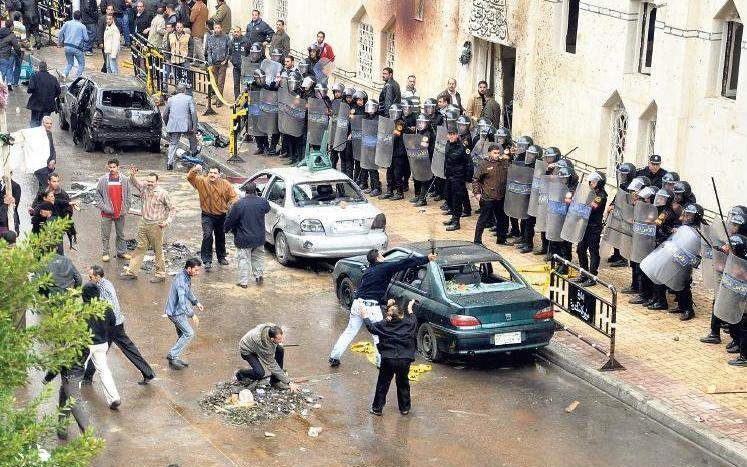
(571, 31)
(326, 193)
(276, 194)
(416, 277)
(365, 51)
(618, 134)
(389, 49)
(732, 56)
(648, 27)
(475, 278)
(261, 182)
(258, 5)
(281, 9)
(126, 99)
(651, 137)
(420, 10)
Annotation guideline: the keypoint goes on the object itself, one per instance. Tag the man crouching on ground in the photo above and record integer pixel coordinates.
(261, 348)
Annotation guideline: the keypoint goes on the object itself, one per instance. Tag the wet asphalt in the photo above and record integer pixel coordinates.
(493, 411)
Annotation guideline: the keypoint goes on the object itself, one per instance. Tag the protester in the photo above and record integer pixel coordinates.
(42, 175)
(180, 117)
(454, 97)
(20, 32)
(183, 12)
(179, 309)
(157, 213)
(370, 295)
(73, 36)
(218, 51)
(111, 45)
(71, 378)
(258, 31)
(483, 105)
(63, 273)
(325, 50)
(157, 28)
(396, 333)
(280, 39)
(118, 335)
(102, 330)
(390, 93)
(222, 15)
(9, 49)
(44, 211)
(246, 220)
(489, 186)
(9, 200)
(237, 54)
(106, 10)
(113, 197)
(143, 18)
(89, 11)
(410, 90)
(47, 123)
(216, 197)
(262, 348)
(179, 48)
(43, 89)
(198, 17)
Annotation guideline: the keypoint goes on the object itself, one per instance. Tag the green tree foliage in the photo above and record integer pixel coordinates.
(58, 340)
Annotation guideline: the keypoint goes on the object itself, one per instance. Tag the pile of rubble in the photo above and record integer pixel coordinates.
(247, 404)
(175, 254)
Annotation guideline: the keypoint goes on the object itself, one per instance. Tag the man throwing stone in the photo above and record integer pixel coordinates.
(371, 295)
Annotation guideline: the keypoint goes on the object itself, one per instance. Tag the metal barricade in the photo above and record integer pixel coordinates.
(238, 115)
(598, 312)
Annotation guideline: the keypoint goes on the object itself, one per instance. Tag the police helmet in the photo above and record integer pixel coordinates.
(692, 214)
(338, 87)
(360, 94)
(463, 124)
(348, 92)
(664, 197)
(682, 190)
(259, 76)
(308, 83)
(303, 66)
(523, 143)
(276, 55)
(371, 107)
(502, 136)
(597, 178)
(669, 179)
(646, 193)
(532, 153)
(563, 172)
(738, 245)
(551, 155)
(395, 111)
(422, 122)
(429, 107)
(255, 52)
(638, 183)
(625, 173)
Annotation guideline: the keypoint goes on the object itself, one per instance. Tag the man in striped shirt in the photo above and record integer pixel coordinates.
(157, 213)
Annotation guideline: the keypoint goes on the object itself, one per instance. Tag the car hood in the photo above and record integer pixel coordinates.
(493, 308)
(341, 219)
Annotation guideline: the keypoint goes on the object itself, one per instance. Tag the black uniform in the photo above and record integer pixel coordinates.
(654, 177)
(237, 51)
(396, 171)
(420, 187)
(527, 228)
(664, 224)
(264, 144)
(410, 122)
(369, 176)
(455, 169)
(439, 184)
(590, 242)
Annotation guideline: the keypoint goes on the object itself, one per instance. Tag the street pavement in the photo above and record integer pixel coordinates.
(500, 412)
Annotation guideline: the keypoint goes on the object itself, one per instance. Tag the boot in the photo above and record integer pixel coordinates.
(397, 196)
(444, 207)
(526, 249)
(376, 192)
(421, 202)
(687, 315)
(629, 290)
(414, 199)
(621, 263)
(453, 226)
(540, 252)
(742, 359)
(386, 195)
(639, 300)
(658, 306)
(711, 339)
(449, 222)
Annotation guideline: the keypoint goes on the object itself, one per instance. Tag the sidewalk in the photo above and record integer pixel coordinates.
(667, 369)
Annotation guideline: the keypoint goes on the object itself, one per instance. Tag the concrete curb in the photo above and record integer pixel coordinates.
(718, 445)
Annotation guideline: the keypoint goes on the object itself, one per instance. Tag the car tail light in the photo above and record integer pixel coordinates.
(464, 321)
(545, 313)
(312, 225)
(379, 222)
(98, 117)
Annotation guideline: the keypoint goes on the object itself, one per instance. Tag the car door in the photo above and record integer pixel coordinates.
(70, 96)
(275, 195)
(408, 285)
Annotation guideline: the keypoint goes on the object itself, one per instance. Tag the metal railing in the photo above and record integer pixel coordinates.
(597, 312)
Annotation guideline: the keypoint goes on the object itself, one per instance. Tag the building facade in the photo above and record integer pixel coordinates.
(618, 79)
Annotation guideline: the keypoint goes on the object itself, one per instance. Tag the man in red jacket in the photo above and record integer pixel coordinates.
(325, 50)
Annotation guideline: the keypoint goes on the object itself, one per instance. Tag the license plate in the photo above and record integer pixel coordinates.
(349, 226)
(508, 338)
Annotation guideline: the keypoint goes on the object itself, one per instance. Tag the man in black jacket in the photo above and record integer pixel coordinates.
(246, 220)
(89, 16)
(143, 17)
(9, 46)
(258, 30)
(455, 170)
(390, 93)
(44, 89)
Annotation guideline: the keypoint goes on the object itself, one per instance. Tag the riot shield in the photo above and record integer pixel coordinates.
(247, 70)
(369, 130)
(439, 153)
(644, 230)
(618, 231)
(317, 121)
(335, 111)
(731, 299)
(542, 197)
(356, 135)
(518, 190)
(417, 153)
(252, 112)
(271, 69)
(341, 129)
(714, 260)
(480, 150)
(385, 142)
(556, 209)
(291, 113)
(268, 112)
(579, 211)
(540, 167)
(672, 262)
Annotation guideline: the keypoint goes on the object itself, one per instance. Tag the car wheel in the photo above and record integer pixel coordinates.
(427, 344)
(345, 290)
(282, 251)
(64, 125)
(89, 145)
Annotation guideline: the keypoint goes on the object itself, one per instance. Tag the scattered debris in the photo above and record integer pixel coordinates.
(269, 434)
(314, 431)
(83, 191)
(227, 400)
(175, 254)
(540, 369)
(676, 338)
(573, 406)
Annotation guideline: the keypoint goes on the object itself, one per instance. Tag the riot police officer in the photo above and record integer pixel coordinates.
(590, 242)
(298, 88)
(428, 139)
(455, 169)
(653, 171)
(625, 174)
(346, 153)
(551, 156)
(410, 109)
(371, 112)
(691, 215)
(532, 153)
(665, 222)
(738, 281)
(334, 107)
(396, 170)
(683, 195)
(265, 144)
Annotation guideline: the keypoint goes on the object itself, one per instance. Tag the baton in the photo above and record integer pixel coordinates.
(569, 152)
(720, 212)
(704, 239)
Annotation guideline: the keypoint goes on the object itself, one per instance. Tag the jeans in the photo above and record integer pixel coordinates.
(212, 225)
(123, 23)
(393, 367)
(111, 65)
(148, 235)
(17, 61)
(91, 28)
(6, 68)
(491, 209)
(184, 333)
(98, 356)
(175, 137)
(250, 261)
(256, 371)
(73, 54)
(355, 323)
(129, 349)
(106, 230)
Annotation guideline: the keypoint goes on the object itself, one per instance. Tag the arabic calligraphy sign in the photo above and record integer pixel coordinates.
(488, 21)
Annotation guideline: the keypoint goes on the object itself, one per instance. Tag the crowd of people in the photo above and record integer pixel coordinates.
(653, 222)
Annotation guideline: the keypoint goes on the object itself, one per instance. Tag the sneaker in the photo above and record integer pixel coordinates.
(334, 362)
(126, 256)
(157, 279)
(105, 258)
(115, 404)
(258, 280)
(378, 413)
(223, 262)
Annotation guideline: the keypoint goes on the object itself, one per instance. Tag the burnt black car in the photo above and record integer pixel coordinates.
(104, 109)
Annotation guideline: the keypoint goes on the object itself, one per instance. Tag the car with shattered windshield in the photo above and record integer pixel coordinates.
(317, 214)
(105, 110)
(472, 301)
